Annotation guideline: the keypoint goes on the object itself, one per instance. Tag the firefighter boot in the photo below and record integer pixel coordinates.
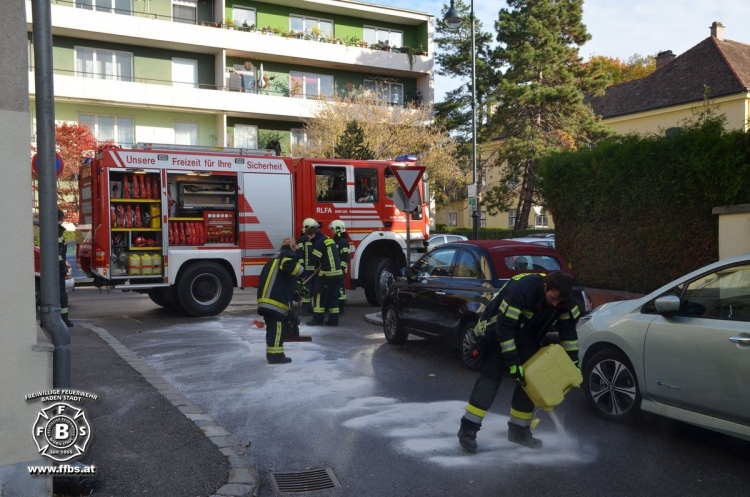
(333, 320)
(67, 321)
(467, 436)
(317, 319)
(278, 359)
(522, 435)
(307, 308)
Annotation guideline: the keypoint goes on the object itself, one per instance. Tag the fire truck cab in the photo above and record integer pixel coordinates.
(187, 225)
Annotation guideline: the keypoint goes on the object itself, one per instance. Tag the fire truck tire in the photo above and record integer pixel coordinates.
(159, 296)
(204, 289)
(378, 280)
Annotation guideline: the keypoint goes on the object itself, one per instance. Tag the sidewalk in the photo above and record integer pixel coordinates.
(146, 437)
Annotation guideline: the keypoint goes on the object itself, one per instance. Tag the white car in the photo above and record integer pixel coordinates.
(439, 239)
(682, 351)
(546, 239)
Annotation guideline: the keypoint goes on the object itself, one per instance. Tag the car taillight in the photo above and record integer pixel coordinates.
(68, 271)
(587, 301)
(100, 257)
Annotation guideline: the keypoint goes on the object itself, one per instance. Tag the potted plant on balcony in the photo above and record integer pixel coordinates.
(315, 32)
(229, 23)
(420, 50)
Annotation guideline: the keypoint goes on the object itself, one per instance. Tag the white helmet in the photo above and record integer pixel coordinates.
(338, 226)
(309, 224)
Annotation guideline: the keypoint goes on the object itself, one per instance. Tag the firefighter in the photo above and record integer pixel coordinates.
(62, 252)
(304, 247)
(338, 230)
(521, 314)
(324, 256)
(276, 289)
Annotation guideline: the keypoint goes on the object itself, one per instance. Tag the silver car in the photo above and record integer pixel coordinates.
(682, 351)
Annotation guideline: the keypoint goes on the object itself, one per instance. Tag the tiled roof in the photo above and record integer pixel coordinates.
(721, 66)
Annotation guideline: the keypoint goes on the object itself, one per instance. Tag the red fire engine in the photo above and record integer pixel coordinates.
(189, 224)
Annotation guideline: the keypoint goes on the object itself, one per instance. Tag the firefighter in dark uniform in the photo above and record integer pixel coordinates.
(517, 319)
(338, 230)
(276, 290)
(325, 258)
(62, 252)
(304, 247)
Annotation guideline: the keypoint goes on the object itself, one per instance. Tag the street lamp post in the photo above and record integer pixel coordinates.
(453, 20)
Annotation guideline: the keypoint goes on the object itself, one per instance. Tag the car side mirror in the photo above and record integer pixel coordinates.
(668, 304)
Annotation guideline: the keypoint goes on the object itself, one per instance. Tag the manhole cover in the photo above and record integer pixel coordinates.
(296, 482)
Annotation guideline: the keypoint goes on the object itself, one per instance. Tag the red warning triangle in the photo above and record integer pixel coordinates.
(408, 177)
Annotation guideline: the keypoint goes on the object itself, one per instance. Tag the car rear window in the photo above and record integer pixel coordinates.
(530, 262)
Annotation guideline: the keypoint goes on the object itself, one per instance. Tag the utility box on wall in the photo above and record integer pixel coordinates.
(734, 230)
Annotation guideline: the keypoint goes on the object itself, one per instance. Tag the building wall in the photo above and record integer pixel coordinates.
(25, 363)
(734, 230)
(734, 108)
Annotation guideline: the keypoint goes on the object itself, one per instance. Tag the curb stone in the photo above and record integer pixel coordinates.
(243, 479)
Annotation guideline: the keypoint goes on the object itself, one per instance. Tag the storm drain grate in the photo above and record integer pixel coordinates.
(313, 480)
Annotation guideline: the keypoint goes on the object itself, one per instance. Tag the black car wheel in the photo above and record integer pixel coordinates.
(611, 386)
(468, 339)
(392, 328)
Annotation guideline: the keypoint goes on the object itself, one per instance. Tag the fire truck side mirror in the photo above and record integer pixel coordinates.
(417, 213)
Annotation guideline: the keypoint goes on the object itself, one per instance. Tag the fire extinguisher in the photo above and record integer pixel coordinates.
(125, 187)
(154, 187)
(201, 236)
(138, 220)
(136, 192)
(129, 217)
(113, 216)
(145, 187)
(182, 233)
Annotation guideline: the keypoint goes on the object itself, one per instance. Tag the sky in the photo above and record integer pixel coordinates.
(621, 28)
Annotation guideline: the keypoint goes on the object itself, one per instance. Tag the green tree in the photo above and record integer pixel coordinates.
(352, 144)
(538, 106)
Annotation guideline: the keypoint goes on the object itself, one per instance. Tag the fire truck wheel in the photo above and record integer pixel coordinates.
(378, 281)
(204, 289)
(159, 296)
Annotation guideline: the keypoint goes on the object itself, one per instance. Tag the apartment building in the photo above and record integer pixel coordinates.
(241, 73)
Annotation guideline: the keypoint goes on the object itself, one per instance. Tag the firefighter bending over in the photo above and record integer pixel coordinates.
(517, 319)
(338, 230)
(325, 258)
(304, 247)
(276, 290)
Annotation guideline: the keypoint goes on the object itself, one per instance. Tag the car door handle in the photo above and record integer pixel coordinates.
(442, 294)
(740, 340)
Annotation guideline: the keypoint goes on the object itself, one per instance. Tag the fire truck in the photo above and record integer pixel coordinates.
(187, 225)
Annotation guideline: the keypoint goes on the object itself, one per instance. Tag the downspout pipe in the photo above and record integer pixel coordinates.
(52, 323)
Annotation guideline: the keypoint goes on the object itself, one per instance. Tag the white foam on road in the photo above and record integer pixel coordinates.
(324, 385)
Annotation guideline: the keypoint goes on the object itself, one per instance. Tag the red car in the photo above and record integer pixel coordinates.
(452, 283)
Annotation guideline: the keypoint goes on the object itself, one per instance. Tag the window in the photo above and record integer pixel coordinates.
(185, 133)
(184, 11)
(305, 85)
(118, 129)
(245, 136)
(436, 263)
(453, 219)
(330, 184)
(299, 137)
(123, 7)
(243, 15)
(467, 266)
(532, 263)
(97, 63)
(366, 185)
(540, 217)
(482, 219)
(381, 35)
(512, 215)
(185, 71)
(305, 24)
(387, 92)
(724, 294)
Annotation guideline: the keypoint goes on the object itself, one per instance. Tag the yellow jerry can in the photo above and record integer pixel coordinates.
(549, 375)
(134, 263)
(156, 263)
(146, 264)
(154, 210)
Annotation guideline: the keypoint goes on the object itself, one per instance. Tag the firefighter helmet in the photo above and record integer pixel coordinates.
(310, 224)
(338, 226)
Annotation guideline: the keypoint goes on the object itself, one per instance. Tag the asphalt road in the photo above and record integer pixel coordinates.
(383, 418)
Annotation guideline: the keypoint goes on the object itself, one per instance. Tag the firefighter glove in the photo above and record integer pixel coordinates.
(516, 372)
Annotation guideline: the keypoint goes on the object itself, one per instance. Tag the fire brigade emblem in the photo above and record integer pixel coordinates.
(61, 432)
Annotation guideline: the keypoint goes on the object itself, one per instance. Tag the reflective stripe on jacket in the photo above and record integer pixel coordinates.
(278, 282)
